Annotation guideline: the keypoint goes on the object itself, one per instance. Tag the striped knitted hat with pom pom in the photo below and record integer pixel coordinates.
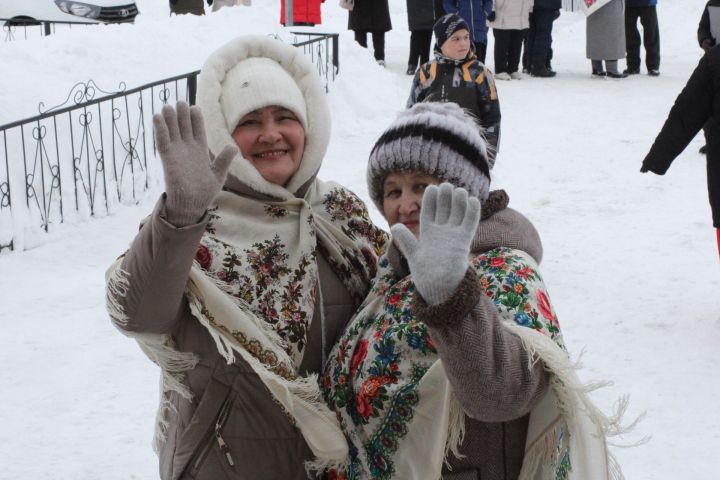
(435, 138)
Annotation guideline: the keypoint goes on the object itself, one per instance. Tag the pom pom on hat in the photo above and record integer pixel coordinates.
(258, 82)
(439, 139)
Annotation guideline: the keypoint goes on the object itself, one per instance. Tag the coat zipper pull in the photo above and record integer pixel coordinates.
(223, 446)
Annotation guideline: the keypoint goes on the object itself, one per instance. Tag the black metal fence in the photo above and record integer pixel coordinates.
(23, 29)
(323, 49)
(82, 158)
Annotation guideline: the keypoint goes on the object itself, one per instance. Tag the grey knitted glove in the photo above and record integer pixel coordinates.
(192, 177)
(438, 260)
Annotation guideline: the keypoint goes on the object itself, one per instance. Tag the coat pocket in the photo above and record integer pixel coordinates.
(196, 439)
(213, 439)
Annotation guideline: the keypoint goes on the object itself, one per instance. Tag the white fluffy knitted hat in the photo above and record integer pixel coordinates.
(289, 80)
(259, 82)
(436, 138)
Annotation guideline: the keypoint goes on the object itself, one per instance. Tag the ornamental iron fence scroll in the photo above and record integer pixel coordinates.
(323, 50)
(88, 154)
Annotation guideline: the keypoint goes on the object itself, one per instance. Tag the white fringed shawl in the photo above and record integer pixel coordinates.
(254, 287)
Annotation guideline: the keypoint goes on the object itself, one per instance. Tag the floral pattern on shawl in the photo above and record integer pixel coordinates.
(278, 282)
(372, 374)
(345, 208)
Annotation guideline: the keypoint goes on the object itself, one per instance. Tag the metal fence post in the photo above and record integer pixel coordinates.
(336, 53)
(192, 88)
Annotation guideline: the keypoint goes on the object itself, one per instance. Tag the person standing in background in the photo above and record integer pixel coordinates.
(646, 11)
(193, 7)
(538, 47)
(605, 39)
(707, 34)
(697, 105)
(456, 75)
(218, 4)
(709, 27)
(510, 22)
(371, 16)
(475, 13)
(421, 17)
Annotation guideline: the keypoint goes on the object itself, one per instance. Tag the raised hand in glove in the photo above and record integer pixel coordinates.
(438, 260)
(491, 16)
(192, 176)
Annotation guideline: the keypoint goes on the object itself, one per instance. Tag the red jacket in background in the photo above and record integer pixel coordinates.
(304, 12)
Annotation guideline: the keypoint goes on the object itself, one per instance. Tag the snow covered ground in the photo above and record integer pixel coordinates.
(630, 259)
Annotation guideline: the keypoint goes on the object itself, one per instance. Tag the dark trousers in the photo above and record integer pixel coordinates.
(480, 51)
(651, 37)
(508, 44)
(420, 41)
(378, 39)
(538, 46)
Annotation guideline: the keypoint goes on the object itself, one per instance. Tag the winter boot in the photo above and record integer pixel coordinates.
(542, 72)
(612, 69)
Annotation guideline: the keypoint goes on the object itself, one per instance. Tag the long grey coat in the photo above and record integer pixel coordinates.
(605, 35)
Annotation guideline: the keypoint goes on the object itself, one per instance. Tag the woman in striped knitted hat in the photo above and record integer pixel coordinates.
(457, 346)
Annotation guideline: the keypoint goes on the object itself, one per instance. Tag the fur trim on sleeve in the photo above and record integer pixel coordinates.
(452, 311)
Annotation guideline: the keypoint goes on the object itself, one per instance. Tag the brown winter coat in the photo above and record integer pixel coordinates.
(262, 442)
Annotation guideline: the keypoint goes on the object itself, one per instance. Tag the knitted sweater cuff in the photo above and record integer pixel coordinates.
(452, 311)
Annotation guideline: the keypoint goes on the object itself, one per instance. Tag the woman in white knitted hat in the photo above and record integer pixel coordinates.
(242, 279)
(456, 355)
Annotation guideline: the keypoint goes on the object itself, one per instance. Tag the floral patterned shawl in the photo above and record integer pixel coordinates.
(386, 383)
(255, 283)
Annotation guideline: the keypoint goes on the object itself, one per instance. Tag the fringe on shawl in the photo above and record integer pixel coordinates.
(265, 327)
(174, 364)
(305, 389)
(565, 385)
(456, 430)
(317, 468)
(117, 284)
(160, 349)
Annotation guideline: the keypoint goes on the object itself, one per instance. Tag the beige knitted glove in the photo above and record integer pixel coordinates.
(193, 178)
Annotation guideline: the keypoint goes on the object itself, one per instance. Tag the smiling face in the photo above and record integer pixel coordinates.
(273, 140)
(402, 198)
(457, 46)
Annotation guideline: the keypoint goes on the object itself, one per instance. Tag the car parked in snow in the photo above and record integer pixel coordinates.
(90, 11)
